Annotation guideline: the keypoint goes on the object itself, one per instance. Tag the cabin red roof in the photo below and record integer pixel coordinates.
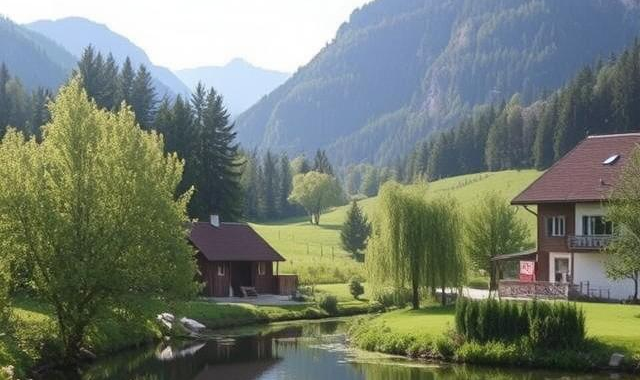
(581, 175)
(231, 242)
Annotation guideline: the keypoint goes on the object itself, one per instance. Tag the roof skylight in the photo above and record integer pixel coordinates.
(611, 160)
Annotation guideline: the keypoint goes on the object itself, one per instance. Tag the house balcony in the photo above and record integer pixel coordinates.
(589, 241)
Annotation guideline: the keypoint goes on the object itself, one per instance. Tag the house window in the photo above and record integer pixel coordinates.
(556, 226)
(596, 225)
(262, 269)
(220, 269)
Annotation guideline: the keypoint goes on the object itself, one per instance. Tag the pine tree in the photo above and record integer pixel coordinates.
(250, 185)
(38, 112)
(321, 163)
(18, 103)
(125, 83)
(284, 188)
(213, 165)
(90, 68)
(109, 81)
(355, 230)
(4, 99)
(270, 186)
(143, 97)
(543, 144)
(182, 134)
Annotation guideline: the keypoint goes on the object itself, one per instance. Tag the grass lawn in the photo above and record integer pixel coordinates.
(341, 291)
(305, 245)
(610, 323)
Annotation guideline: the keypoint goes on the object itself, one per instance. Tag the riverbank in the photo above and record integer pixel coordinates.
(33, 342)
(427, 333)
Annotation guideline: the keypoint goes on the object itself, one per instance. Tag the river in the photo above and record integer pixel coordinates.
(303, 350)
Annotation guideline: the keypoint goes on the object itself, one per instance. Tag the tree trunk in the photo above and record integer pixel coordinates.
(444, 295)
(415, 299)
(635, 293)
(317, 219)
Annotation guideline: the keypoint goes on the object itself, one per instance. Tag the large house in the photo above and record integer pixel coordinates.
(571, 204)
(234, 261)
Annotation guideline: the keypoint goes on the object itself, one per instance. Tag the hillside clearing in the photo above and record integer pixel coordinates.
(305, 245)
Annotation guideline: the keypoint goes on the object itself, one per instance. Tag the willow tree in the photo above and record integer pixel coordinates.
(92, 209)
(414, 242)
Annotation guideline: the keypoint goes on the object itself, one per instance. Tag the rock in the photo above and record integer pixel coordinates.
(191, 324)
(87, 355)
(616, 360)
(167, 317)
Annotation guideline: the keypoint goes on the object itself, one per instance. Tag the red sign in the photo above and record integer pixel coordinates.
(527, 271)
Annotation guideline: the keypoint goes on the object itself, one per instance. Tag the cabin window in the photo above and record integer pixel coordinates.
(262, 269)
(556, 226)
(596, 225)
(220, 269)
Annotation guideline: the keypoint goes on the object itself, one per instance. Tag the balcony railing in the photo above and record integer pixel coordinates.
(589, 241)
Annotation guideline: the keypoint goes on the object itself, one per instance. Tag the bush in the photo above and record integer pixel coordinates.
(556, 325)
(546, 325)
(355, 288)
(390, 297)
(329, 303)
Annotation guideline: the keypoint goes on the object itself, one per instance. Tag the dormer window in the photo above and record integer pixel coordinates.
(611, 160)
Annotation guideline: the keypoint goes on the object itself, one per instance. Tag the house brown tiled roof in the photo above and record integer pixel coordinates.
(231, 242)
(581, 176)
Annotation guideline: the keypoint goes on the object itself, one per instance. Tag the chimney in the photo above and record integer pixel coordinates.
(215, 220)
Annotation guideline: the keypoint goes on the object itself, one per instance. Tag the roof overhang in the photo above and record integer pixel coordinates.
(517, 255)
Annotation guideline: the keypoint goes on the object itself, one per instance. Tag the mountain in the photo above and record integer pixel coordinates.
(76, 33)
(241, 83)
(399, 70)
(32, 57)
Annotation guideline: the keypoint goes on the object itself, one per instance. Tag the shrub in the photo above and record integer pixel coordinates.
(390, 297)
(329, 303)
(546, 325)
(355, 288)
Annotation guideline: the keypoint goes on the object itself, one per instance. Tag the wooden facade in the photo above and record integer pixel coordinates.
(232, 256)
(219, 277)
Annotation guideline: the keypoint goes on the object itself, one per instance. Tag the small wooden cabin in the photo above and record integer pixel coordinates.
(233, 255)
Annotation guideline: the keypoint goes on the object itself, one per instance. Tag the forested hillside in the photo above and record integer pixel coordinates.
(600, 99)
(35, 59)
(397, 71)
(76, 33)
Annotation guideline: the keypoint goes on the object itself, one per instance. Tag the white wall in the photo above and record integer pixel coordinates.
(588, 209)
(590, 267)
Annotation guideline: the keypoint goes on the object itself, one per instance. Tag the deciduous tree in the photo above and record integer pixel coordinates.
(493, 228)
(92, 208)
(624, 211)
(315, 192)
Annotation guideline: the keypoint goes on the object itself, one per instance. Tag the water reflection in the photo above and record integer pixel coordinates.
(299, 351)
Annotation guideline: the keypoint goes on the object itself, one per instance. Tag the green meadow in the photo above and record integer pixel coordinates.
(306, 246)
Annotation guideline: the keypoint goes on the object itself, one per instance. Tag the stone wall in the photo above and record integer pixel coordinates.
(536, 289)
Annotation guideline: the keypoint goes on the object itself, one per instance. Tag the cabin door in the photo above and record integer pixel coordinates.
(240, 276)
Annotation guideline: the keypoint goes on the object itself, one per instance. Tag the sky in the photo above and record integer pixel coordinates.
(275, 34)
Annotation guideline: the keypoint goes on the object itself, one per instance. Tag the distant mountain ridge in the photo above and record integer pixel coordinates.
(76, 33)
(241, 83)
(33, 58)
(399, 70)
